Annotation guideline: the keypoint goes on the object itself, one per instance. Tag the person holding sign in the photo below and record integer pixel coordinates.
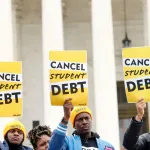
(132, 140)
(39, 137)
(82, 138)
(14, 135)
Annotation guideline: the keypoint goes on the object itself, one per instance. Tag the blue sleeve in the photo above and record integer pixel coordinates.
(2, 147)
(58, 140)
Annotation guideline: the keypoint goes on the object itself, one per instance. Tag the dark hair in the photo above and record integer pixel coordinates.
(35, 134)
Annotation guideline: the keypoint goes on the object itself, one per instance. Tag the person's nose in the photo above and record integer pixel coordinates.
(84, 121)
(16, 133)
(46, 146)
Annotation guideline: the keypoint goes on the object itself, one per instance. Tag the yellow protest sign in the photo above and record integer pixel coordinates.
(136, 68)
(10, 89)
(68, 77)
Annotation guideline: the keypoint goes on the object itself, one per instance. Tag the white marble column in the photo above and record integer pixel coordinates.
(146, 12)
(6, 43)
(16, 16)
(106, 106)
(52, 28)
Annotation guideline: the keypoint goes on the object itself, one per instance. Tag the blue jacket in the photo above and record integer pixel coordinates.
(4, 146)
(59, 141)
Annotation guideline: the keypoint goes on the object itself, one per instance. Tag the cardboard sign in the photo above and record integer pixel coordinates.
(68, 77)
(10, 89)
(136, 68)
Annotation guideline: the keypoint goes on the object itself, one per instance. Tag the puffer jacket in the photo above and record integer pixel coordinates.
(4, 146)
(132, 138)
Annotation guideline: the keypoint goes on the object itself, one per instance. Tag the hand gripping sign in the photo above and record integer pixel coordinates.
(68, 77)
(136, 69)
(10, 89)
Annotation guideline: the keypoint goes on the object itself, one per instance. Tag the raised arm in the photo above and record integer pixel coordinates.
(58, 140)
(132, 140)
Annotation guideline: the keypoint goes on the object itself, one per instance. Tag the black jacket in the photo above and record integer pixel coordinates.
(132, 138)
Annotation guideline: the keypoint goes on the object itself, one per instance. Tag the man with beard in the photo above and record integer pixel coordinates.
(14, 135)
(82, 138)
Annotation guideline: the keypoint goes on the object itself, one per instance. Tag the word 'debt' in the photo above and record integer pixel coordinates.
(138, 84)
(7, 98)
(68, 88)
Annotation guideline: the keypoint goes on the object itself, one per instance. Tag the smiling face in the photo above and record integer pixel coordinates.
(15, 136)
(83, 123)
(42, 143)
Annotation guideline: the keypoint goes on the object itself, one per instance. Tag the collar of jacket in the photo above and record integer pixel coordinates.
(5, 144)
(93, 134)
